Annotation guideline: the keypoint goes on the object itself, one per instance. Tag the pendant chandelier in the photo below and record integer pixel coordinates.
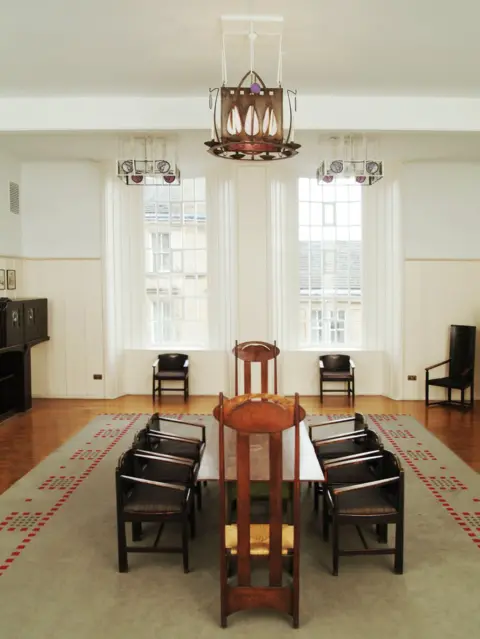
(347, 161)
(147, 161)
(248, 119)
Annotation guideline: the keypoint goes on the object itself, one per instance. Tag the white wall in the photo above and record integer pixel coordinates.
(10, 223)
(61, 234)
(421, 269)
(441, 204)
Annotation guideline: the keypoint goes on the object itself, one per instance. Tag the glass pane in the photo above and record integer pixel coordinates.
(176, 239)
(189, 213)
(201, 261)
(188, 189)
(342, 214)
(342, 193)
(329, 233)
(201, 212)
(175, 213)
(316, 233)
(355, 213)
(304, 213)
(177, 309)
(189, 287)
(161, 193)
(202, 309)
(304, 189)
(200, 189)
(177, 261)
(355, 233)
(304, 233)
(316, 211)
(177, 285)
(189, 261)
(191, 312)
(329, 193)
(189, 237)
(343, 233)
(175, 193)
(316, 191)
(201, 238)
(355, 193)
(329, 214)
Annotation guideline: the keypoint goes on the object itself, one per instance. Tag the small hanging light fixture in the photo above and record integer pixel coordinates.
(146, 162)
(248, 119)
(346, 164)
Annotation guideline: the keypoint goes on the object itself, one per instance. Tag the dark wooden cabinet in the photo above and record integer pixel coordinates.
(23, 324)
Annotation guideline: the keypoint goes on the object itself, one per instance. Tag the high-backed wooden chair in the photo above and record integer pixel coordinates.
(255, 351)
(240, 543)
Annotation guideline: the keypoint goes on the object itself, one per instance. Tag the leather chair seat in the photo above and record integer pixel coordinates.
(171, 375)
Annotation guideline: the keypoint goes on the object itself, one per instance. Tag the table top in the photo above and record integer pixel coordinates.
(310, 469)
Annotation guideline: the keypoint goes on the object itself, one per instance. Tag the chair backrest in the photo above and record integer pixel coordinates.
(171, 361)
(269, 415)
(336, 363)
(390, 466)
(255, 351)
(462, 350)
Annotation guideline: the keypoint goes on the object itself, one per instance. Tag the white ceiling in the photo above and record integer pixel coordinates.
(155, 47)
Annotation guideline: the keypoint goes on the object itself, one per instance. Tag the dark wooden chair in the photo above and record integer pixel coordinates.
(140, 499)
(178, 444)
(379, 501)
(184, 472)
(461, 368)
(337, 368)
(256, 352)
(170, 367)
(245, 541)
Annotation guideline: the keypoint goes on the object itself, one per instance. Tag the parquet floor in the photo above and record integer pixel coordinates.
(27, 439)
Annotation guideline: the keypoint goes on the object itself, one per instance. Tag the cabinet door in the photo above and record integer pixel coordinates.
(14, 324)
(36, 320)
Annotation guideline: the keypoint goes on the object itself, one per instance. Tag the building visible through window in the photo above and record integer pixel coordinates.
(176, 263)
(330, 248)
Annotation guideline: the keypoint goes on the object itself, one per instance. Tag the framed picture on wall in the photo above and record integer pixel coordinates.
(2, 279)
(11, 280)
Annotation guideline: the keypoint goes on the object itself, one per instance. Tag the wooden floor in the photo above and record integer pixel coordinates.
(27, 439)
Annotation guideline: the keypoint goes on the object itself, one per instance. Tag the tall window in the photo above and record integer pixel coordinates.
(330, 238)
(176, 263)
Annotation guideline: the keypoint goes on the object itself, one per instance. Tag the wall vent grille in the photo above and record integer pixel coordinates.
(14, 198)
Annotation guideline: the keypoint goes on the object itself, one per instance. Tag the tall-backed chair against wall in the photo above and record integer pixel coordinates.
(337, 368)
(240, 543)
(461, 368)
(170, 367)
(259, 352)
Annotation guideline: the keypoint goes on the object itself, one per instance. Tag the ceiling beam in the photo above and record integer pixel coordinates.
(322, 113)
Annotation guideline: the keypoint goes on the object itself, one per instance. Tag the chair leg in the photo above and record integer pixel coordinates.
(153, 390)
(136, 530)
(399, 546)
(325, 520)
(353, 390)
(185, 390)
(335, 545)
(462, 397)
(321, 390)
(471, 396)
(185, 545)
(198, 490)
(193, 526)
(122, 546)
(426, 390)
(449, 395)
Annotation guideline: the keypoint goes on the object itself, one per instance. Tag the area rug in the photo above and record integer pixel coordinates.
(58, 571)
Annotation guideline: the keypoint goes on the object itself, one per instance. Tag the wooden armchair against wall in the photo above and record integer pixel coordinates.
(461, 368)
(255, 351)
